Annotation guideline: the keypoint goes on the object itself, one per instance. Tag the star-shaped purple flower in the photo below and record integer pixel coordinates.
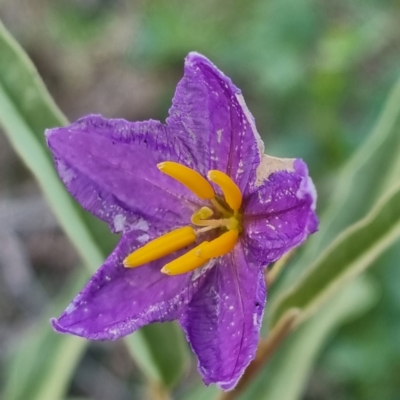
(209, 272)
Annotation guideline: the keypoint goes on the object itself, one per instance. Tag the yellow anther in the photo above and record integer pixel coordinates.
(160, 247)
(188, 177)
(186, 263)
(232, 194)
(201, 215)
(219, 246)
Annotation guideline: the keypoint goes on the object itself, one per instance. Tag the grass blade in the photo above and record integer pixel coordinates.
(373, 168)
(285, 378)
(42, 365)
(351, 253)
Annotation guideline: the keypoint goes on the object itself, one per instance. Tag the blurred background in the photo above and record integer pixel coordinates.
(315, 75)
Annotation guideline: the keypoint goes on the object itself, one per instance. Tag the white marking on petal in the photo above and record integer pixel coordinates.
(119, 222)
(66, 174)
(269, 165)
(240, 169)
(191, 134)
(200, 271)
(219, 135)
(143, 238)
(141, 225)
(307, 187)
(260, 143)
(114, 332)
(78, 331)
(70, 308)
(255, 319)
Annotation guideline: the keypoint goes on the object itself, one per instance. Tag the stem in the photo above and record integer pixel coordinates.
(266, 348)
(274, 272)
(156, 391)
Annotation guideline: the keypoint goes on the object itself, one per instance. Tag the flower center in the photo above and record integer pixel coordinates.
(227, 221)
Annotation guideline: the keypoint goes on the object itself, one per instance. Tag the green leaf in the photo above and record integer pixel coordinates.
(25, 89)
(351, 253)
(286, 376)
(200, 392)
(44, 362)
(373, 168)
(160, 351)
(26, 110)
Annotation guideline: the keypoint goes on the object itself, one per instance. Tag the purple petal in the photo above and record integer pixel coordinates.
(117, 300)
(110, 167)
(280, 214)
(214, 126)
(222, 322)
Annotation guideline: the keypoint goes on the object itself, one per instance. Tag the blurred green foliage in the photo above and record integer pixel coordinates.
(315, 75)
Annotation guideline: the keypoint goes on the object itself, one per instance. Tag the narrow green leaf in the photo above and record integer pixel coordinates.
(352, 251)
(286, 376)
(79, 398)
(373, 168)
(160, 351)
(26, 109)
(44, 362)
(201, 392)
(21, 81)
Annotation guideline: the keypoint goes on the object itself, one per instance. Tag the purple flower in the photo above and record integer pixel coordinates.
(231, 209)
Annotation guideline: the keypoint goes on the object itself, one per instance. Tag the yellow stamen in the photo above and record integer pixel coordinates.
(186, 263)
(201, 215)
(232, 193)
(219, 246)
(230, 223)
(188, 177)
(219, 207)
(162, 246)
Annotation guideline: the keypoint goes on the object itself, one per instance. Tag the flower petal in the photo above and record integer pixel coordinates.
(211, 119)
(110, 167)
(222, 322)
(281, 213)
(119, 300)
